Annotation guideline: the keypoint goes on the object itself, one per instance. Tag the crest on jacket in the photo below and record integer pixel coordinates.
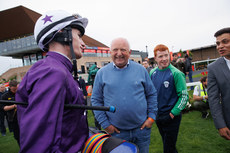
(166, 84)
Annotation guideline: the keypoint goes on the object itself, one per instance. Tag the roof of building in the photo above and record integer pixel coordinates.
(19, 22)
(203, 47)
(16, 22)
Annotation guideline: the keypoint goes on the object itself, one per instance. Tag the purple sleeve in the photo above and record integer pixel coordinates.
(41, 122)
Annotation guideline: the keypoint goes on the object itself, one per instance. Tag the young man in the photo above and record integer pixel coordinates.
(126, 85)
(45, 126)
(200, 97)
(145, 63)
(219, 84)
(179, 63)
(172, 97)
(174, 61)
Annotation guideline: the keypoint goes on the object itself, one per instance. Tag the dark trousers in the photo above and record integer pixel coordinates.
(4, 115)
(202, 107)
(10, 126)
(2, 119)
(190, 78)
(169, 129)
(16, 130)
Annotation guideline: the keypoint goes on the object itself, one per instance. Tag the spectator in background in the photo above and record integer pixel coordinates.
(174, 61)
(92, 73)
(200, 97)
(126, 85)
(83, 87)
(145, 63)
(188, 68)
(219, 84)
(172, 97)
(11, 110)
(179, 63)
(2, 89)
(2, 112)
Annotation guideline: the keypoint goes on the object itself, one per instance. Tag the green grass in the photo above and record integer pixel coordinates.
(8, 144)
(197, 76)
(196, 135)
(199, 135)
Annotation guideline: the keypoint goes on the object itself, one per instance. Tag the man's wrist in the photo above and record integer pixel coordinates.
(150, 119)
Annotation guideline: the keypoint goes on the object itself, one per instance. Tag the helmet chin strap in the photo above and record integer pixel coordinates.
(69, 30)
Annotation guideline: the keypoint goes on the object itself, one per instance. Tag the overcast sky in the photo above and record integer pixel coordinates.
(179, 24)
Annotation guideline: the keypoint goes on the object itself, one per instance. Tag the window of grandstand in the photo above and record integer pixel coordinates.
(33, 58)
(135, 55)
(99, 53)
(105, 53)
(26, 60)
(44, 54)
(39, 56)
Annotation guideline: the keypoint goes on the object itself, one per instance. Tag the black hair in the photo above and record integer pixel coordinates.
(203, 79)
(174, 54)
(186, 55)
(13, 83)
(222, 31)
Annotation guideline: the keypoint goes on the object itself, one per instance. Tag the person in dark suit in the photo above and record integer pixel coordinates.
(219, 84)
(2, 112)
(11, 110)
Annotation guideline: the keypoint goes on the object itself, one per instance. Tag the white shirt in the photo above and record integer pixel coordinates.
(228, 62)
(121, 68)
(63, 55)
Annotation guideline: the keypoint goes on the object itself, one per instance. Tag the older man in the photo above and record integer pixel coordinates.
(126, 85)
(219, 84)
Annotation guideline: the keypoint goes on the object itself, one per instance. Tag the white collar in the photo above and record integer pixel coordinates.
(228, 62)
(121, 68)
(63, 55)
